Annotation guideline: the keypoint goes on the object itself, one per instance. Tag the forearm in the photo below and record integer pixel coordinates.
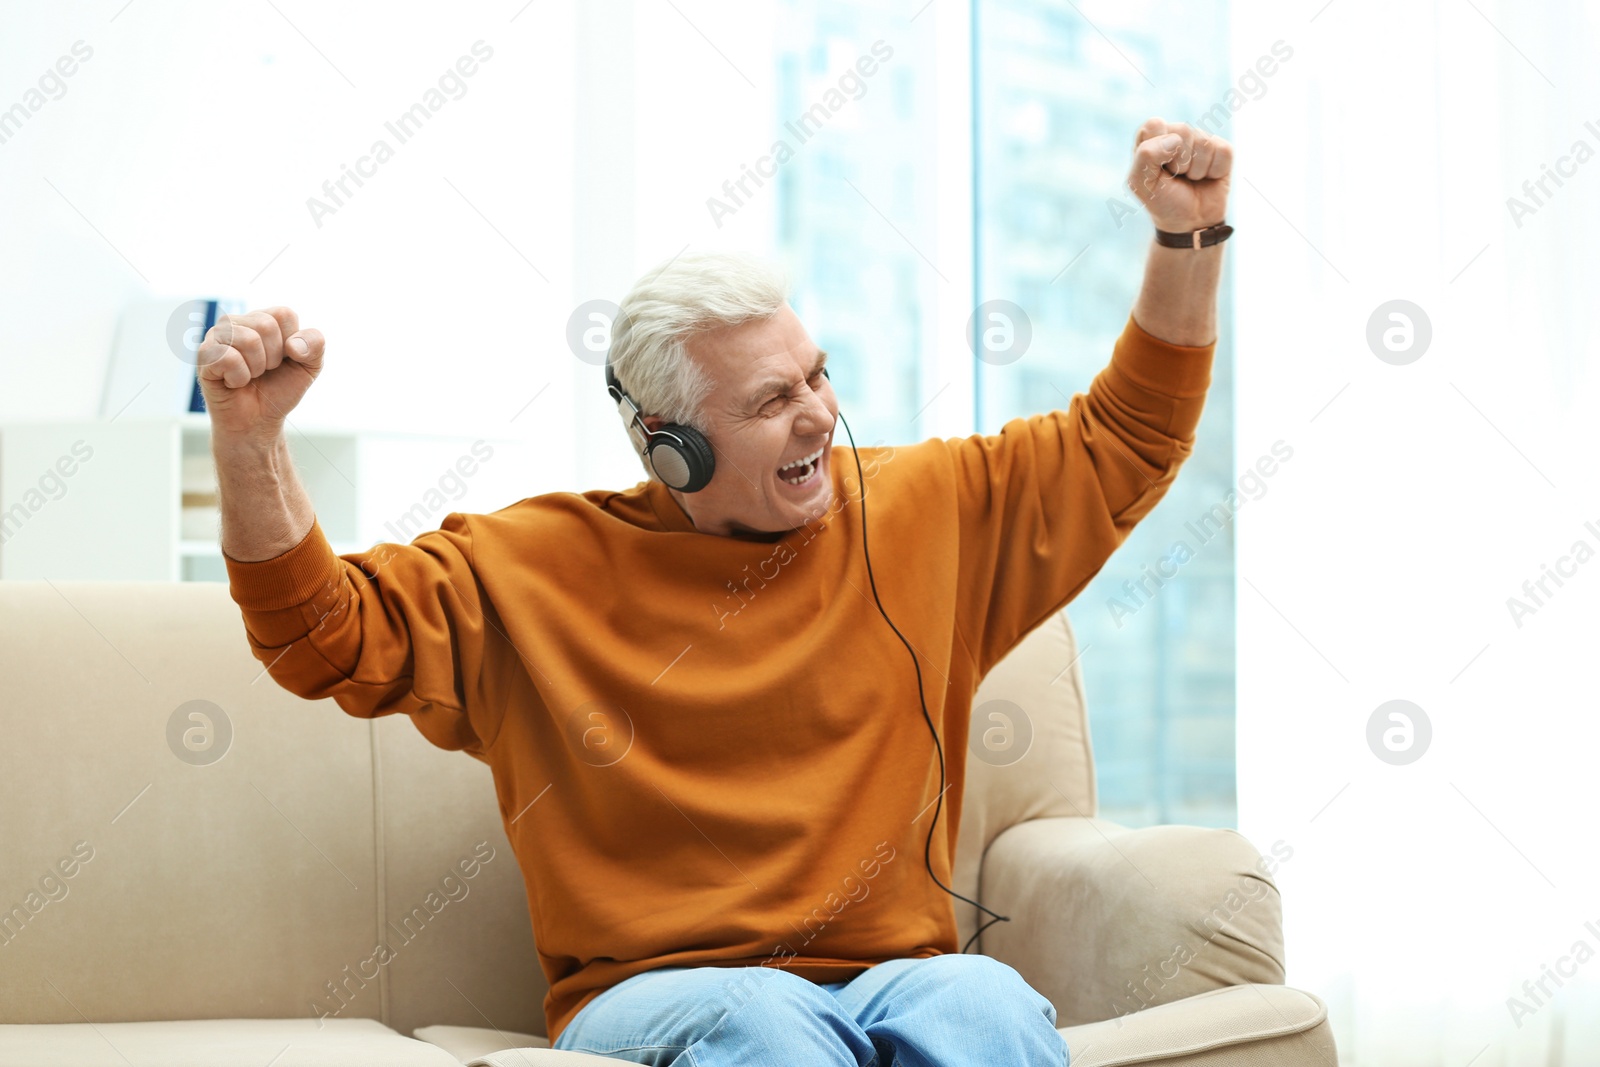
(1178, 301)
(265, 509)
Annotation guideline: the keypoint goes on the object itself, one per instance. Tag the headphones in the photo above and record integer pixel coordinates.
(680, 455)
(682, 458)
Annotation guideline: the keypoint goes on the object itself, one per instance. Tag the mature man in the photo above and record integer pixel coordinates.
(711, 752)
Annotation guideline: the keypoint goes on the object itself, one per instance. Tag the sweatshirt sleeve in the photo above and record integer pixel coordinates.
(1045, 502)
(395, 628)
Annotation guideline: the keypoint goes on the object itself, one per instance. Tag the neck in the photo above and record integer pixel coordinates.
(734, 529)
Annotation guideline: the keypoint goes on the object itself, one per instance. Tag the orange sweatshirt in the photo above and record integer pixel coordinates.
(709, 750)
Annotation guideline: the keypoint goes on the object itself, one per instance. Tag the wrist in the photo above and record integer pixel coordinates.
(1183, 224)
(248, 445)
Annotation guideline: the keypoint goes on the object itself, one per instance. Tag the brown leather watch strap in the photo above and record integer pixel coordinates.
(1205, 238)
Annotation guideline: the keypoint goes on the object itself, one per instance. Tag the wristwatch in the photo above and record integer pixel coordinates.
(1205, 238)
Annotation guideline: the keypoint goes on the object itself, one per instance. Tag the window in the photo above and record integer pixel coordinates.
(1052, 100)
(1060, 92)
(856, 213)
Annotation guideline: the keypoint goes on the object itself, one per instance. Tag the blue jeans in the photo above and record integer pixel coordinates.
(941, 1011)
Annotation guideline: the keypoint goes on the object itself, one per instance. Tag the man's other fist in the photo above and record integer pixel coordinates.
(254, 368)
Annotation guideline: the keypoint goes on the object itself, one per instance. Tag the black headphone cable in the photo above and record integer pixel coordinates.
(927, 848)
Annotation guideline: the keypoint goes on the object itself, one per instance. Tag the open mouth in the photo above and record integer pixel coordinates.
(802, 471)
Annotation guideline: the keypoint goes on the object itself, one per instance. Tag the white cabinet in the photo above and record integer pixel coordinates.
(135, 499)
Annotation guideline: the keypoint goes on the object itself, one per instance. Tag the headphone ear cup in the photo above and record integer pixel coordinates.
(686, 467)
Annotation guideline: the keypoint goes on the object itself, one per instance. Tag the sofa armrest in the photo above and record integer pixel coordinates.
(1106, 920)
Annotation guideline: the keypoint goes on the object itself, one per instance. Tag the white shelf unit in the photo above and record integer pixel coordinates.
(93, 500)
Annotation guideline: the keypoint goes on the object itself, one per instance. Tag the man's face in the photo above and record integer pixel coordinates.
(770, 405)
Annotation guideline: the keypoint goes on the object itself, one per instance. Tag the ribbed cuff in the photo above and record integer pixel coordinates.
(288, 580)
(1179, 371)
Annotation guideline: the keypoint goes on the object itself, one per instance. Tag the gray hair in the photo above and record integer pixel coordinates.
(683, 296)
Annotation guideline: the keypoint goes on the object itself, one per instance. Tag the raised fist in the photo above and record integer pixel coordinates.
(1181, 175)
(254, 368)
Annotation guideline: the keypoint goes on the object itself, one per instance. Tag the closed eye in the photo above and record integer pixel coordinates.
(814, 378)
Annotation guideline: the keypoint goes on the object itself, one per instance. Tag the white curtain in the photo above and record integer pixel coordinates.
(1376, 165)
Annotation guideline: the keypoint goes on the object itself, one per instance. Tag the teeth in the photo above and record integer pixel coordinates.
(802, 479)
(803, 460)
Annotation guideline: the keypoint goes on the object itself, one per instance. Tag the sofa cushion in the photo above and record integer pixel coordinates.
(541, 1057)
(160, 888)
(480, 1046)
(217, 1043)
(469, 1042)
(475, 964)
(1243, 1026)
(1240, 1026)
(1034, 700)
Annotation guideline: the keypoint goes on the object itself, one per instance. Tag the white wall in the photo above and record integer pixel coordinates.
(191, 141)
(581, 154)
(1420, 497)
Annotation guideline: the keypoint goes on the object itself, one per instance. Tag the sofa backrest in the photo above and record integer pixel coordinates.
(147, 877)
(1034, 698)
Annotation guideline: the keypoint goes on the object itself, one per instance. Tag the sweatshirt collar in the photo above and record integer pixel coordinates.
(668, 511)
(673, 519)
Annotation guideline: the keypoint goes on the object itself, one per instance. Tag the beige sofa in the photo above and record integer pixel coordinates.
(165, 906)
